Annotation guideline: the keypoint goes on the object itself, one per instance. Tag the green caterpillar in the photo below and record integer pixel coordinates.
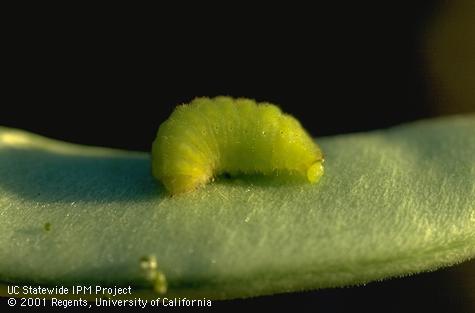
(210, 137)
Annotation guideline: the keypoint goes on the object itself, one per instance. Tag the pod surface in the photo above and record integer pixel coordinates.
(392, 202)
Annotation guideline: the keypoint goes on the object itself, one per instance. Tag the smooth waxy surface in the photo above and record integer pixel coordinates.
(392, 202)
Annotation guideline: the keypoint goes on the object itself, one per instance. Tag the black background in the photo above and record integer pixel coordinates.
(111, 81)
(110, 76)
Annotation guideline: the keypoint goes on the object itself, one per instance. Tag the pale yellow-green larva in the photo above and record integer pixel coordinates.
(213, 136)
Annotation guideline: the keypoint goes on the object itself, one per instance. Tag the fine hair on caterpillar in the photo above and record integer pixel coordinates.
(212, 136)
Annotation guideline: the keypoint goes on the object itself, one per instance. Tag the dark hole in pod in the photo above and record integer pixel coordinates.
(226, 175)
